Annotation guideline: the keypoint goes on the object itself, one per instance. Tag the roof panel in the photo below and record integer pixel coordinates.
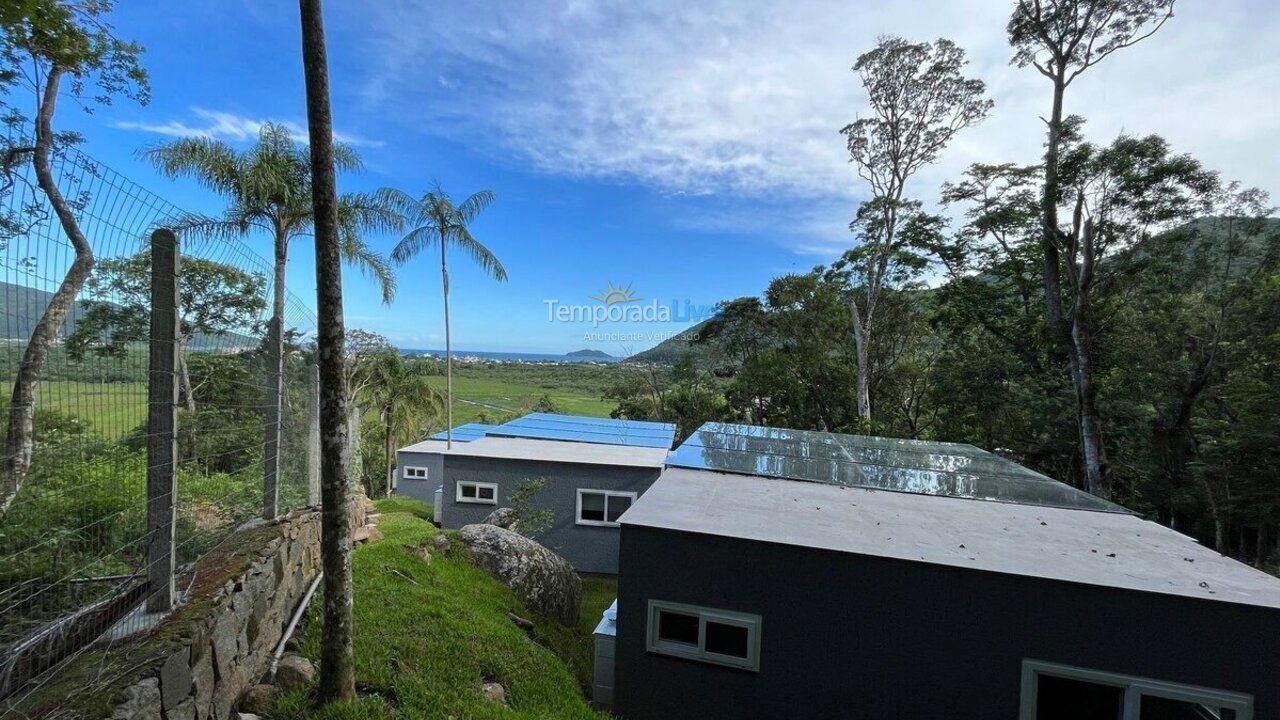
(466, 432)
(572, 428)
(910, 466)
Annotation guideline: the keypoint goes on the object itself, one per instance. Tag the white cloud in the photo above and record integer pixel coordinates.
(743, 99)
(220, 125)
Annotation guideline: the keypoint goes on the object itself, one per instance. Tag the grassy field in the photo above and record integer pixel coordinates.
(476, 396)
(428, 634)
(494, 390)
(112, 409)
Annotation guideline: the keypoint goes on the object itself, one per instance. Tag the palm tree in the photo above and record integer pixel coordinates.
(403, 397)
(268, 188)
(434, 219)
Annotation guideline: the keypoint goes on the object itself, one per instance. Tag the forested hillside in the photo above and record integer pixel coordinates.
(1106, 315)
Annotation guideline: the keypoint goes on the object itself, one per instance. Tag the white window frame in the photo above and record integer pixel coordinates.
(410, 469)
(577, 515)
(1133, 687)
(751, 622)
(477, 500)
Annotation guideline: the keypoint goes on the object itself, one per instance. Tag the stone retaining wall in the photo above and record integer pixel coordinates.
(199, 662)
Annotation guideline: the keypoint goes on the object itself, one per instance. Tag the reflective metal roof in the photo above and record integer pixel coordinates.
(910, 466)
(466, 432)
(575, 428)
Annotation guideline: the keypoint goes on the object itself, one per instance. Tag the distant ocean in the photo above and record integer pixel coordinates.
(510, 356)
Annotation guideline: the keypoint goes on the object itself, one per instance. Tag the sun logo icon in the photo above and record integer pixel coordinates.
(614, 294)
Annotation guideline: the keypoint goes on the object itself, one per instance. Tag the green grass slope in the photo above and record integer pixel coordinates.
(427, 635)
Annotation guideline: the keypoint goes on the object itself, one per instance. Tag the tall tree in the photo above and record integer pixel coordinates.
(268, 188)
(337, 655)
(43, 43)
(436, 221)
(401, 393)
(1061, 39)
(1118, 196)
(215, 299)
(919, 100)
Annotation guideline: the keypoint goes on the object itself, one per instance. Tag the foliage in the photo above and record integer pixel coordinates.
(215, 299)
(268, 188)
(531, 521)
(75, 37)
(920, 100)
(400, 395)
(435, 221)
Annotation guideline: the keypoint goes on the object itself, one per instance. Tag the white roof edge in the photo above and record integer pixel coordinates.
(537, 450)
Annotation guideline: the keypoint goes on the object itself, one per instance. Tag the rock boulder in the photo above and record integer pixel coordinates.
(503, 517)
(543, 580)
(294, 671)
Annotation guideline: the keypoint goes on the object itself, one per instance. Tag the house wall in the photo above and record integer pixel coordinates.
(856, 636)
(423, 490)
(589, 548)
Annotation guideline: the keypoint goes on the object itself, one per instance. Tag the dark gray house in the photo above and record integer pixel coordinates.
(592, 468)
(773, 574)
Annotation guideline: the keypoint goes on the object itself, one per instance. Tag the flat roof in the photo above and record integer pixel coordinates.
(581, 453)
(1092, 548)
(582, 428)
(881, 463)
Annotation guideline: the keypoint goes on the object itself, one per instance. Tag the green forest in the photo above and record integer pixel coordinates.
(1107, 317)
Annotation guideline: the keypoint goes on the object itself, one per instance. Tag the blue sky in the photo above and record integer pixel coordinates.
(689, 149)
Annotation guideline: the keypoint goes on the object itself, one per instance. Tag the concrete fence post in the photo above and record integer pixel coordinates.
(162, 420)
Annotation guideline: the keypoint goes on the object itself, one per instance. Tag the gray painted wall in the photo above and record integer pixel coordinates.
(856, 636)
(588, 548)
(423, 490)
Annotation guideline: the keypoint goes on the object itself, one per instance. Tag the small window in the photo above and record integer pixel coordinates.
(477, 492)
(1060, 692)
(602, 507)
(714, 636)
(678, 627)
(415, 473)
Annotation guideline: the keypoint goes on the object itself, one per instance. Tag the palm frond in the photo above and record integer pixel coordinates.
(195, 225)
(461, 238)
(417, 240)
(474, 205)
(346, 159)
(367, 212)
(409, 207)
(356, 252)
(212, 163)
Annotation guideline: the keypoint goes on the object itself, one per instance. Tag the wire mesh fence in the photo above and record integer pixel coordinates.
(74, 531)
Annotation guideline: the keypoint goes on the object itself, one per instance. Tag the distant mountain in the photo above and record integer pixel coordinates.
(22, 306)
(672, 349)
(588, 353)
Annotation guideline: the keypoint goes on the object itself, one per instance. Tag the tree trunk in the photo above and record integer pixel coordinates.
(22, 404)
(184, 379)
(388, 449)
(448, 346)
(1093, 453)
(1049, 219)
(273, 392)
(861, 343)
(337, 661)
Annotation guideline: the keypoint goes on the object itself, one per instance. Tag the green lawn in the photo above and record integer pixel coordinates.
(427, 635)
(112, 409)
(474, 396)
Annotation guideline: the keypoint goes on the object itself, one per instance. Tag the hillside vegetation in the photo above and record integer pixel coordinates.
(428, 634)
